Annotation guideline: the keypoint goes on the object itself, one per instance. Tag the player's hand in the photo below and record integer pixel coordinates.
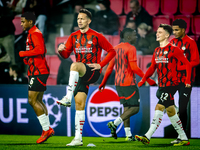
(61, 47)
(141, 83)
(25, 61)
(95, 66)
(188, 85)
(21, 54)
(101, 87)
(151, 82)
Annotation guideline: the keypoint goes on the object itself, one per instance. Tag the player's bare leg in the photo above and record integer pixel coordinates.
(128, 112)
(77, 70)
(80, 100)
(35, 100)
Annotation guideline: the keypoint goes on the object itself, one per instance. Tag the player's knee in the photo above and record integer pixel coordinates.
(170, 111)
(74, 66)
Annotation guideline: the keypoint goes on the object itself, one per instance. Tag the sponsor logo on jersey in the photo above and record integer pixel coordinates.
(103, 107)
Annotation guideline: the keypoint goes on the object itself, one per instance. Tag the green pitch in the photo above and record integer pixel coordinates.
(26, 142)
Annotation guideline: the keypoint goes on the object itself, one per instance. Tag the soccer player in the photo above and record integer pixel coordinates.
(190, 50)
(125, 63)
(87, 45)
(38, 72)
(165, 60)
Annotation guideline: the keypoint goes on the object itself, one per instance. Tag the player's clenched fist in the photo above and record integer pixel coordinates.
(61, 47)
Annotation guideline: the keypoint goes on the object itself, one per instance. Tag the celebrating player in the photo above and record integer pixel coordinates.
(190, 50)
(87, 45)
(165, 60)
(126, 66)
(38, 72)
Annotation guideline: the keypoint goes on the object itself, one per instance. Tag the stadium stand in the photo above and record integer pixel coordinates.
(169, 7)
(54, 62)
(151, 6)
(195, 24)
(122, 21)
(116, 6)
(157, 20)
(17, 23)
(187, 7)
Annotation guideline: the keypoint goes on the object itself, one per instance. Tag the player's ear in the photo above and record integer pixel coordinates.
(89, 21)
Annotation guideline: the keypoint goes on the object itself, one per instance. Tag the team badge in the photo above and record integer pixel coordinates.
(165, 52)
(89, 42)
(183, 48)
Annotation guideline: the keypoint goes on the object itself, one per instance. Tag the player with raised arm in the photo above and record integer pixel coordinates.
(190, 50)
(165, 60)
(87, 45)
(38, 72)
(125, 63)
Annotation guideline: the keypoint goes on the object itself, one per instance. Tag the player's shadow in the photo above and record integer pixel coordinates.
(160, 145)
(20, 144)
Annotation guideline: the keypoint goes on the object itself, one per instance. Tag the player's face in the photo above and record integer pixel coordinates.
(178, 32)
(26, 24)
(161, 35)
(83, 21)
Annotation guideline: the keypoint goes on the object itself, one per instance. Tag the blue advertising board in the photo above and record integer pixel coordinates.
(18, 117)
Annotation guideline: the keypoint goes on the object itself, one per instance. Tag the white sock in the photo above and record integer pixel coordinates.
(43, 122)
(48, 120)
(128, 131)
(176, 122)
(73, 80)
(118, 121)
(79, 122)
(155, 123)
(178, 137)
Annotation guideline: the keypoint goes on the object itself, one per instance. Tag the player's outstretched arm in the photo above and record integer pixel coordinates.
(140, 73)
(107, 74)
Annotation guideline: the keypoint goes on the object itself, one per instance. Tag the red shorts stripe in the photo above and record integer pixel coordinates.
(41, 82)
(91, 76)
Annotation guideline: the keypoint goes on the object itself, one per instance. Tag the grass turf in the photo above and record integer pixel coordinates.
(23, 142)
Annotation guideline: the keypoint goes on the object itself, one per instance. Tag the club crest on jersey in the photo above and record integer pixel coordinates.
(165, 52)
(89, 42)
(103, 107)
(183, 48)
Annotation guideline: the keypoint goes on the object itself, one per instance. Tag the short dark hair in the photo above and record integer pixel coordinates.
(126, 30)
(87, 12)
(180, 22)
(166, 27)
(29, 16)
(136, 2)
(15, 68)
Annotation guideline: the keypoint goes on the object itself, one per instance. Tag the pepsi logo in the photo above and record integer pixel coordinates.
(103, 107)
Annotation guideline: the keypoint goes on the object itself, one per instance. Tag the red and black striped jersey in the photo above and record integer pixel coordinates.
(190, 50)
(35, 53)
(125, 53)
(87, 47)
(165, 60)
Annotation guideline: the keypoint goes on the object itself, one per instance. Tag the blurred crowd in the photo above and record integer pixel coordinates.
(105, 21)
